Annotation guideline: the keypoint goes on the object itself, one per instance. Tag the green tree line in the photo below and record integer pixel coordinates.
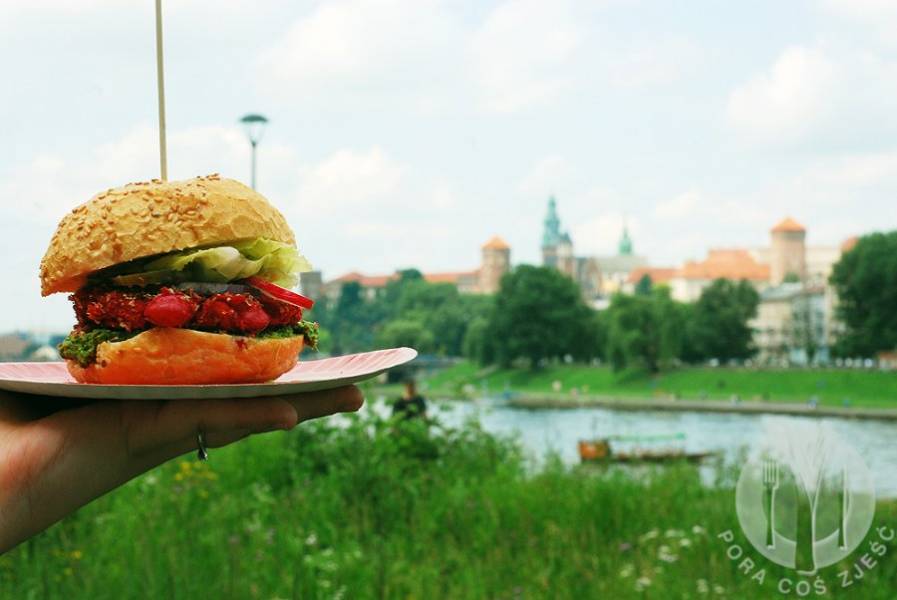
(538, 316)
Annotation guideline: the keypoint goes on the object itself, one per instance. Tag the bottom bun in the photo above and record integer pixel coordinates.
(166, 356)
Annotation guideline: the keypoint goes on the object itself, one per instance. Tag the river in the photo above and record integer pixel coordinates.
(557, 430)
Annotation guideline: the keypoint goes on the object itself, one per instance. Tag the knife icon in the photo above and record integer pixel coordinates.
(845, 508)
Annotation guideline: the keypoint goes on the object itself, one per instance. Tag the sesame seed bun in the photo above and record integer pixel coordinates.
(147, 218)
(164, 356)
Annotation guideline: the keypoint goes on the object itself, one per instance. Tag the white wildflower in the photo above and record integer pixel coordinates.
(649, 536)
(674, 533)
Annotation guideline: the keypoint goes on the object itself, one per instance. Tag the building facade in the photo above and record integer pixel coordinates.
(495, 261)
(598, 277)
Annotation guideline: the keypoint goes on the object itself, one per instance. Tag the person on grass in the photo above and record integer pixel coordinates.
(58, 455)
(411, 405)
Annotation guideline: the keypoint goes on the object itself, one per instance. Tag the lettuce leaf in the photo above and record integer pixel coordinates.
(271, 260)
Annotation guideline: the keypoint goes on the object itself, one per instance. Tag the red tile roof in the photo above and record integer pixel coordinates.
(848, 244)
(379, 281)
(449, 277)
(725, 263)
(496, 243)
(789, 225)
(372, 281)
(657, 274)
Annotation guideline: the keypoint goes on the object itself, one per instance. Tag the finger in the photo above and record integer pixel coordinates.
(177, 421)
(313, 405)
(225, 438)
(21, 408)
(180, 424)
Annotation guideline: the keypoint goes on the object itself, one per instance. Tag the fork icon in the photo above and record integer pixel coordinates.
(770, 484)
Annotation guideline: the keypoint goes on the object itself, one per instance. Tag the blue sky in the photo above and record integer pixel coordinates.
(406, 133)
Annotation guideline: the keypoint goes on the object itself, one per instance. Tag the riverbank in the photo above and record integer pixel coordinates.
(349, 509)
(690, 388)
(537, 401)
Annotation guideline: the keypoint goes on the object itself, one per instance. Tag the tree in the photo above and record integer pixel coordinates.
(406, 332)
(866, 282)
(643, 330)
(539, 314)
(439, 307)
(643, 287)
(478, 345)
(718, 325)
(352, 321)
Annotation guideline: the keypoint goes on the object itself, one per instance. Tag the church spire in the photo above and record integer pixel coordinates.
(625, 247)
(551, 233)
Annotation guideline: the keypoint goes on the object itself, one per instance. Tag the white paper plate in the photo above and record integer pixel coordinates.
(53, 379)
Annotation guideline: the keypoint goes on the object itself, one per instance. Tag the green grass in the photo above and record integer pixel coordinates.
(830, 386)
(365, 511)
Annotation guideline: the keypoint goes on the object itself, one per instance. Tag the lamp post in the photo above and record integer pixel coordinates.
(255, 126)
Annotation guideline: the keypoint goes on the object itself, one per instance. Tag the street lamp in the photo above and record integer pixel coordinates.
(255, 127)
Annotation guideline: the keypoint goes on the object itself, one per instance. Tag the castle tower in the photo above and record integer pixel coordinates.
(788, 256)
(565, 258)
(496, 261)
(551, 235)
(311, 283)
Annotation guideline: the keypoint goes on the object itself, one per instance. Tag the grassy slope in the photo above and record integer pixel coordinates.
(831, 386)
(360, 512)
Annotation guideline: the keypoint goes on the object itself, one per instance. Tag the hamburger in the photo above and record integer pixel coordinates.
(180, 282)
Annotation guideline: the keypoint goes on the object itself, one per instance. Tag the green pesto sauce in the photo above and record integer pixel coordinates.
(303, 328)
(81, 347)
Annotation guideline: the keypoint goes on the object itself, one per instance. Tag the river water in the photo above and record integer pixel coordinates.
(558, 430)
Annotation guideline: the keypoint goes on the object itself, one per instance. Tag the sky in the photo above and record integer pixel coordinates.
(408, 132)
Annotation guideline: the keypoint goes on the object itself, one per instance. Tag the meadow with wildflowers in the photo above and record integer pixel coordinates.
(359, 507)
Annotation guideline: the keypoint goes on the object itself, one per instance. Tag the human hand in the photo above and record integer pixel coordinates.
(57, 455)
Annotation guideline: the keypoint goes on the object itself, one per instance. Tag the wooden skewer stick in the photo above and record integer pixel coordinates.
(160, 80)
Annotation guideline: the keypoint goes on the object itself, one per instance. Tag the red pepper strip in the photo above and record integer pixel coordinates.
(278, 293)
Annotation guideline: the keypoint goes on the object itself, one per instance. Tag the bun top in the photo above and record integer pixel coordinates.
(155, 217)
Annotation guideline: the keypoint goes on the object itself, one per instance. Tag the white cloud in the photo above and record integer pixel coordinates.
(51, 185)
(787, 100)
(547, 177)
(679, 206)
(827, 96)
(345, 48)
(879, 15)
(523, 52)
(856, 171)
(695, 208)
(654, 62)
(425, 56)
(349, 180)
(601, 234)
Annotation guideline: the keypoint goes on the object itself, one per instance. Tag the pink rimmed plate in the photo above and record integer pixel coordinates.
(53, 379)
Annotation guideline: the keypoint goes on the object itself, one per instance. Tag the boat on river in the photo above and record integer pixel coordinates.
(601, 450)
